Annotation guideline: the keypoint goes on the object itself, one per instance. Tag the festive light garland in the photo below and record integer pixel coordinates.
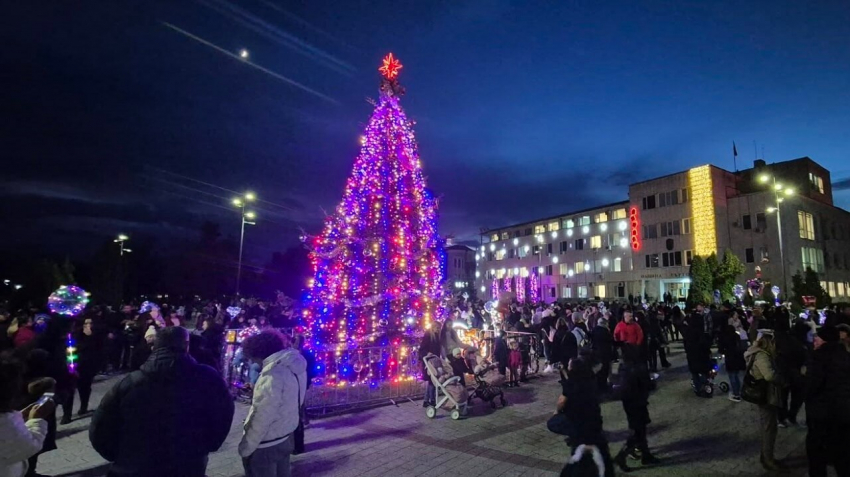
(508, 284)
(71, 353)
(379, 263)
(494, 288)
(534, 287)
(520, 288)
(68, 300)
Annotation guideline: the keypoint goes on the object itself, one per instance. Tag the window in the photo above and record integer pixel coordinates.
(579, 267)
(668, 198)
(670, 228)
(817, 182)
(505, 235)
(750, 255)
(596, 242)
(536, 250)
(552, 292)
(566, 292)
(812, 258)
(662, 199)
(584, 220)
(550, 269)
(579, 244)
(599, 291)
(652, 260)
(539, 229)
(548, 249)
(650, 231)
(500, 254)
(807, 225)
(494, 237)
(763, 257)
(618, 214)
(600, 217)
(568, 223)
(842, 290)
(684, 195)
(582, 292)
(526, 232)
(686, 226)
(523, 272)
(563, 247)
(515, 234)
(649, 202)
(747, 222)
(564, 270)
(522, 251)
(553, 226)
(831, 289)
(761, 222)
(671, 259)
(826, 260)
(500, 274)
(490, 256)
(618, 265)
(689, 257)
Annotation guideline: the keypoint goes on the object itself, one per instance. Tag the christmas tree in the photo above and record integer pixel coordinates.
(379, 263)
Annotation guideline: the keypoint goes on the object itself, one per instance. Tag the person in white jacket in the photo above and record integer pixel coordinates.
(268, 441)
(20, 440)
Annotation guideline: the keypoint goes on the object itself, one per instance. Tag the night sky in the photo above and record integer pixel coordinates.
(134, 117)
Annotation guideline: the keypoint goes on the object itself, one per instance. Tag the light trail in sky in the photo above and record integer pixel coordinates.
(252, 64)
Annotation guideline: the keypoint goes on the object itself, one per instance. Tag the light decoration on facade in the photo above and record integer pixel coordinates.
(534, 287)
(634, 220)
(507, 284)
(494, 288)
(702, 210)
(520, 288)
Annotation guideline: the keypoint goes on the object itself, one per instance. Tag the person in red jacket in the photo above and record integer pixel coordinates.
(628, 331)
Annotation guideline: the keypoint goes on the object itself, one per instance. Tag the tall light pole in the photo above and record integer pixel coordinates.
(120, 241)
(241, 202)
(778, 191)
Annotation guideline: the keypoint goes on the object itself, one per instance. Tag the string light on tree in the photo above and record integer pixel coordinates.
(379, 263)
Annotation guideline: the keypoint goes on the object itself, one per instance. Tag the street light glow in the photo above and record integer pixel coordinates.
(237, 202)
(777, 186)
(123, 237)
(764, 178)
(243, 53)
(249, 196)
(771, 210)
(250, 215)
(789, 191)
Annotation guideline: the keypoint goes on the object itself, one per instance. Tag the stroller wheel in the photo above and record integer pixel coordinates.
(724, 386)
(455, 414)
(431, 412)
(708, 389)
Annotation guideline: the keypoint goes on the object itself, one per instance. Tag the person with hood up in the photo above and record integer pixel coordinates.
(165, 418)
(602, 344)
(268, 438)
(633, 389)
(762, 356)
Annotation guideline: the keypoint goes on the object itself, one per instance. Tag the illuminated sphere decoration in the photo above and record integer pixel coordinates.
(68, 300)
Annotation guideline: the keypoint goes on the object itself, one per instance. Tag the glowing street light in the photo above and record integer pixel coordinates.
(241, 202)
(243, 53)
(120, 241)
(778, 188)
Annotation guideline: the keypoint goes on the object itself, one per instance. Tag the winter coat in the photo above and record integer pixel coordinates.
(629, 333)
(733, 347)
(582, 409)
(23, 336)
(697, 346)
(430, 344)
(20, 442)
(565, 346)
(163, 419)
(603, 344)
(791, 355)
(764, 367)
(633, 388)
(90, 353)
(278, 395)
(828, 384)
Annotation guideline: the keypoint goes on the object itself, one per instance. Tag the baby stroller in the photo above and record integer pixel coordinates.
(485, 390)
(705, 387)
(715, 368)
(451, 395)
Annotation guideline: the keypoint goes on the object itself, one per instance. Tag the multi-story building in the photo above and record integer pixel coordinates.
(460, 266)
(777, 217)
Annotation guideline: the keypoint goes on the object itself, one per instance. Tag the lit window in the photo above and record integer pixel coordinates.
(569, 224)
(812, 258)
(500, 254)
(539, 229)
(600, 217)
(596, 242)
(506, 235)
(618, 214)
(599, 291)
(807, 225)
(579, 267)
(584, 220)
(618, 264)
(817, 182)
(566, 292)
(564, 269)
(582, 292)
(553, 226)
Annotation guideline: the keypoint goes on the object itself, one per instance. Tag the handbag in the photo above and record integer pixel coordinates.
(754, 390)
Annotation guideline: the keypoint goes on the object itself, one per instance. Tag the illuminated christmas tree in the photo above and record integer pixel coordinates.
(379, 263)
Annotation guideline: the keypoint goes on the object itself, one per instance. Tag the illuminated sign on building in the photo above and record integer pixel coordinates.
(634, 220)
(702, 209)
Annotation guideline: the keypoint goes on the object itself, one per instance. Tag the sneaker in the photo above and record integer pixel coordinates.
(548, 369)
(734, 398)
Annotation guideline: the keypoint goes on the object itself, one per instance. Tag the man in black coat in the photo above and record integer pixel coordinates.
(165, 418)
(633, 388)
(603, 352)
(828, 404)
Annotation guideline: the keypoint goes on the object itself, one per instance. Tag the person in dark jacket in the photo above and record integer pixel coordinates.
(655, 341)
(602, 343)
(828, 405)
(697, 336)
(633, 389)
(430, 344)
(165, 418)
(91, 354)
(791, 357)
(732, 343)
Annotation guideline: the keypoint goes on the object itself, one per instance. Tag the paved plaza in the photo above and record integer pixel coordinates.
(693, 437)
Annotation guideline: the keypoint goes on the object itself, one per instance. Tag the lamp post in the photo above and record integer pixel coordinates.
(120, 241)
(241, 202)
(778, 191)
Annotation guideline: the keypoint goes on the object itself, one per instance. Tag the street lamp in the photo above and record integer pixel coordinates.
(778, 190)
(241, 202)
(120, 241)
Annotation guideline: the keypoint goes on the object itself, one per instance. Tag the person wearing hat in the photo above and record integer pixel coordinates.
(828, 403)
(762, 356)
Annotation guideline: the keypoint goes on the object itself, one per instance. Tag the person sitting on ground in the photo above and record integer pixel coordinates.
(165, 418)
(23, 431)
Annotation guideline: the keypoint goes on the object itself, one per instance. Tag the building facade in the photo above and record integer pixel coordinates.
(777, 218)
(460, 267)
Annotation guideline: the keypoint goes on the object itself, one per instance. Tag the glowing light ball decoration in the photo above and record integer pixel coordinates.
(147, 306)
(68, 300)
(379, 260)
(738, 291)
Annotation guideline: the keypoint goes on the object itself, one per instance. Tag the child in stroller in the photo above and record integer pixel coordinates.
(487, 382)
(450, 394)
(705, 388)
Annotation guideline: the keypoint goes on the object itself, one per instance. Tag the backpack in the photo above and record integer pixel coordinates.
(582, 340)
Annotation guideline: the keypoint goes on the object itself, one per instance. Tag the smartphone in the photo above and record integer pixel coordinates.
(44, 398)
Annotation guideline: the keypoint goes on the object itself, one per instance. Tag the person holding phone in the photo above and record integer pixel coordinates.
(23, 431)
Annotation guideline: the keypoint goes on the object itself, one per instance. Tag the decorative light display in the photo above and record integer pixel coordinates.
(702, 210)
(520, 289)
(507, 284)
(233, 311)
(534, 287)
(147, 306)
(379, 260)
(738, 291)
(494, 289)
(634, 223)
(68, 300)
(775, 290)
(71, 353)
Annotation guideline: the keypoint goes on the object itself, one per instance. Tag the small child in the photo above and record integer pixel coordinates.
(514, 363)
(459, 365)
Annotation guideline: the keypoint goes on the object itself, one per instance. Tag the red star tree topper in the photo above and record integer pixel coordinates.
(390, 67)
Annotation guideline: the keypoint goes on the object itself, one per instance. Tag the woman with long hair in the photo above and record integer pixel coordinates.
(761, 362)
